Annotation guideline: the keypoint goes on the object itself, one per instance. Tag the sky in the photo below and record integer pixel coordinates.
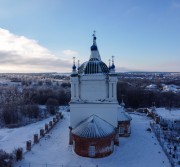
(44, 35)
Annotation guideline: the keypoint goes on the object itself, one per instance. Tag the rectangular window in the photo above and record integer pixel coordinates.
(121, 130)
(74, 90)
(92, 151)
(112, 90)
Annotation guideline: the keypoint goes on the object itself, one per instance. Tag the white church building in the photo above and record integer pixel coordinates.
(94, 107)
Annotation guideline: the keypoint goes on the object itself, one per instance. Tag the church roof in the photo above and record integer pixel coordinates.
(94, 127)
(93, 66)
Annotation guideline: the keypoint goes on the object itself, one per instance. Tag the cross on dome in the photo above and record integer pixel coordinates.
(94, 48)
(94, 37)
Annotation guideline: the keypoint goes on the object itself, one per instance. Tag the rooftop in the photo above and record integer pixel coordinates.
(93, 127)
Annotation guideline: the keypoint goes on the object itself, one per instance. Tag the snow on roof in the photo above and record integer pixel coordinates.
(94, 127)
(122, 115)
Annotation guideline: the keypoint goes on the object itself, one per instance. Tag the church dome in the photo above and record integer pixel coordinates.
(94, 127)
(93, 66)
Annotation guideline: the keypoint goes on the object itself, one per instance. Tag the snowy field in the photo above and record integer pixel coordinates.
(17, 137)
(168, 114)
(139, 150)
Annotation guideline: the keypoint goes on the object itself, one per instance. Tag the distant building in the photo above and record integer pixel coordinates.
(94, 126)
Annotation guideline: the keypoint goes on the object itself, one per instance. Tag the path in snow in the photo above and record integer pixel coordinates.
(141, 149)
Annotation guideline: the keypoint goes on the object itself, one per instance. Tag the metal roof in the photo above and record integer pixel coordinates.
(122, 115)
(94, 127)
(93, 66)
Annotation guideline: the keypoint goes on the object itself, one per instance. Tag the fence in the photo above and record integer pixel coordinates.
(52, 165)
(171, 160)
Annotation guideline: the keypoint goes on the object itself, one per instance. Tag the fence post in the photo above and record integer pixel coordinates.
(54, 120)
(46, 127)
(28, 145)
(35, 138)
(50, 124)
(41, 132)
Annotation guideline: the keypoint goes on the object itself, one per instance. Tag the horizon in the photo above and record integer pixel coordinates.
(43, 36)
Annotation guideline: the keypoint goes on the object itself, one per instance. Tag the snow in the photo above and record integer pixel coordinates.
(140, 149)
(122, 115)
(171, 88)
(151, 86)
(168, 114)
(94, 127)
(17, 137)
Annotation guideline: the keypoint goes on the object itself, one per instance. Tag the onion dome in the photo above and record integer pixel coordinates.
(94, 46)
(94, 127)
(112, 68)
(74, 66)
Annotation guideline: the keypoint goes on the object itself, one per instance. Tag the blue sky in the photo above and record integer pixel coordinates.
(143, 35)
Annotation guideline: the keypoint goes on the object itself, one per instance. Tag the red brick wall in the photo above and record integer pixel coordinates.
(126, 125)
(102, 145)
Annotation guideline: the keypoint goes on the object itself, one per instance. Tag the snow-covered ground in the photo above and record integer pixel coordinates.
(140, 149)
(171, 88)
(168, 114)
(17, 137)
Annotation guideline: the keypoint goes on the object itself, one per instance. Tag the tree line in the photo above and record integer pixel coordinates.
(137, 97)
(22, 105)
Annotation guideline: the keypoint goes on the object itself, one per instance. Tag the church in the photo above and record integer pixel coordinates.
(93, 129)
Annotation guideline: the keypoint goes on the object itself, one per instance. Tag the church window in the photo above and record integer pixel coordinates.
(74, 90)
(121, 130)
(112, 90)
(92, 151)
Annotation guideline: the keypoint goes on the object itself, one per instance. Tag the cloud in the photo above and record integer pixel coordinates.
(70, 52)
(19, 54)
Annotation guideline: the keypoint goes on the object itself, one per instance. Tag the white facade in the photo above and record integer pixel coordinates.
(96, 85)
(93, 91)
(81, 111)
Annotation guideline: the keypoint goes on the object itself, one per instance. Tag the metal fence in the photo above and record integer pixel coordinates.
(162, 144)
(51, 165)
